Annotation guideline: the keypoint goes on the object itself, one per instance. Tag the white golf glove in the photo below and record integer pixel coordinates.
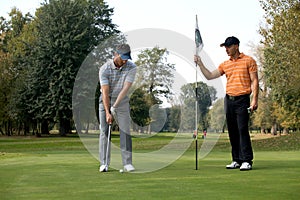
(113, 111)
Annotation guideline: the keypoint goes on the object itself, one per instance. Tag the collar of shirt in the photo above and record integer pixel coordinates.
(113, 66)
(240, 56)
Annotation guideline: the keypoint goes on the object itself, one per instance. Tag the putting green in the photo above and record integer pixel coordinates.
(60, 168)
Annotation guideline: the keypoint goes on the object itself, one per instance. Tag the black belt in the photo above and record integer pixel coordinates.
(234, 98)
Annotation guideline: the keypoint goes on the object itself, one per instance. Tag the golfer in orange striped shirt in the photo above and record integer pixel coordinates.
(242, 80)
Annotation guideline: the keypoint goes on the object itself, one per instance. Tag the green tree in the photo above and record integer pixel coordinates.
(13, 50)
(217, 117)
(12, 28)
(156, 87)
(67, 31)
(140, 107)
(262, 117)
(281, 39)
(174, 117)
(152, 63)
(205, 96)
(6, 77)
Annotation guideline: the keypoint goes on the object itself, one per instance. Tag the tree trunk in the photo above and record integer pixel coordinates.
(274, 129)
(149, 129)
(224, 126)
(141, 130)
(26, 128)
(87, 128)
(34, 127)
(44, 127)
(64, 127)
(78, 124)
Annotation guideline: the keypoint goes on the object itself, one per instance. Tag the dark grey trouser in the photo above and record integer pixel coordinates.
(122, 118)
(237, 117)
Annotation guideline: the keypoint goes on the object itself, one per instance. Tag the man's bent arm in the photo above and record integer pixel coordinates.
(123, 93)
(106, 102)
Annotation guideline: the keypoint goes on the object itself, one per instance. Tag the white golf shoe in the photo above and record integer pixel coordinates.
(103, 168)
(128, 168)
(245, 166)
(233, 165)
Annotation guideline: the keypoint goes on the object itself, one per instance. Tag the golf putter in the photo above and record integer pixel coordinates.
(107, 147)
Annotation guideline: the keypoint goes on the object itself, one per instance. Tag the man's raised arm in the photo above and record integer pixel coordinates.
(208, 74)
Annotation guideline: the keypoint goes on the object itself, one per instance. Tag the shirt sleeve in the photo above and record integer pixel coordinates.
(131, 75)
(252, 66)
(103, 75)
(221, 69)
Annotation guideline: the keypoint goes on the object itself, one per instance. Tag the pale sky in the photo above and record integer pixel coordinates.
(217, 19)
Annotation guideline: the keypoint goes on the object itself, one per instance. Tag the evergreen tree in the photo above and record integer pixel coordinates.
(67, 30)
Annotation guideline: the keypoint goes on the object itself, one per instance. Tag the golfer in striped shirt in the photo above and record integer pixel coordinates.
(242, 80)
(116, 77)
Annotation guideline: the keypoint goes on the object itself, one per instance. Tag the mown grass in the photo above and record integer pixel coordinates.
(290, 142)
(61, 168)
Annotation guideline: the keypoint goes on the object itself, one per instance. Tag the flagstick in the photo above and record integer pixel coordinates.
(199, 46)
(196, 119)
(196, 106)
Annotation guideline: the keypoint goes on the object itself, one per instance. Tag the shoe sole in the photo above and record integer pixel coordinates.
(129, 170)
(237, 167)
(245, 169)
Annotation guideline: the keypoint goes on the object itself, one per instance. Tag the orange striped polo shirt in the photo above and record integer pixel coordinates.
(238, 74)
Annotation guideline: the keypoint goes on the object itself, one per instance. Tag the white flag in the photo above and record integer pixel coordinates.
(198, 39)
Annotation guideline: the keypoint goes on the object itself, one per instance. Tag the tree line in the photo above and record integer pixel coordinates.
(40, 56)
(279, 57)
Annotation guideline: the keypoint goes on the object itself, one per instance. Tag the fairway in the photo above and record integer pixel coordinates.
(61, 168)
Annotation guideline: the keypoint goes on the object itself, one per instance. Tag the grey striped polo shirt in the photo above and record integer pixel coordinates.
(110, 75)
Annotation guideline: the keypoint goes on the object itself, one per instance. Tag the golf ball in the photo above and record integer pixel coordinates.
(121, 170)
